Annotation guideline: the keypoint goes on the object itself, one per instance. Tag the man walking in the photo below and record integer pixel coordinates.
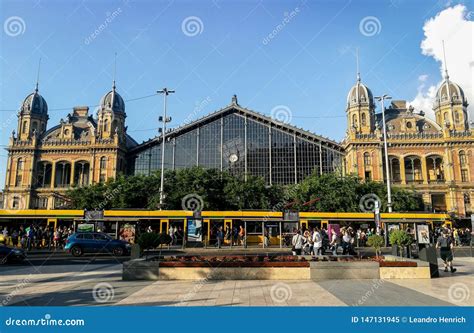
(445, 244)
(297, 243)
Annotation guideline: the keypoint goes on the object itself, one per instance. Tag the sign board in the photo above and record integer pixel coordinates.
(127, 233)
(423, 233)
(291, 216)
(364, 226)
(93, 215)
(85, 227)
(194, 230)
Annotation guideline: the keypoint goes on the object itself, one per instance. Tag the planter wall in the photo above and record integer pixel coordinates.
(344, 270)
(333, 270)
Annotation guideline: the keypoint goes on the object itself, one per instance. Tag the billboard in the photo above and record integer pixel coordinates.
(194, 230)
(127, 233)
(423, 233)
(85, 227)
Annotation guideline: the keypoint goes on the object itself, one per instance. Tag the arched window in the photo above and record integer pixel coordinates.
(446, 117)
(354, 120)
(106, 125)
(364, 119)
(103, 169)
(457, 116)
(34, 126)
(19, 172)
(462, 158)
(25, 125)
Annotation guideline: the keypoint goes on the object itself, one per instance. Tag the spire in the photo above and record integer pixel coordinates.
(115, 71)
(446, 76)
(37, 76)
(357, 60)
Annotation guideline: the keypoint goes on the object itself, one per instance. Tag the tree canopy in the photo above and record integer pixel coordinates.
(211, 189)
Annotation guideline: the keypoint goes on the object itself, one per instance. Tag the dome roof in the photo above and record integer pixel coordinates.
(450, 92)
(359, 94)
(112, 100)
(34, 103)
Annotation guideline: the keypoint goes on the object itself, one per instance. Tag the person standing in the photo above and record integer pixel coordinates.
(445, 245)
(297, 243)
(317, 242)
(242, 235)
(220, 237)
(171, 233)
(335, 240)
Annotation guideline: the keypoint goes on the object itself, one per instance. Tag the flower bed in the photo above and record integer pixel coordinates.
(398, 264)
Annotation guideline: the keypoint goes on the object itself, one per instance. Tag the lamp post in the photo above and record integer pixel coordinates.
(382, 99)
(164, 120)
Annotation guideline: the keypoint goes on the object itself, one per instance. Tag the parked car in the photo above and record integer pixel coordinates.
(10, 254)
(95, 242)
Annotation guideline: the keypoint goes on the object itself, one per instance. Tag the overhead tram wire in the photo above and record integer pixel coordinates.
(90, 106)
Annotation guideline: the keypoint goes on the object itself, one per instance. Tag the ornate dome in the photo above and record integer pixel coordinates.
(112, 100)
(34, 103)
(359, 94)
(450, 92)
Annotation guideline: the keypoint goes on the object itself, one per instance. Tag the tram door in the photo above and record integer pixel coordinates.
(164, 226)
(228, 228)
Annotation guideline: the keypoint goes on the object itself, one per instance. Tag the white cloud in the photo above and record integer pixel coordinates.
(454, 26)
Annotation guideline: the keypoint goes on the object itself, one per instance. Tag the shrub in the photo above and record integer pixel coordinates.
(376, 241)
(400, 238)
(151, 240)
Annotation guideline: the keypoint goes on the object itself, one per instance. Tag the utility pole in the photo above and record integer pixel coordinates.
(164, 119)
(387, 168)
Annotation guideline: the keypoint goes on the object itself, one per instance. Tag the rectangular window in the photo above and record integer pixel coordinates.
(464, 175)
(368, 175)
(16, 203)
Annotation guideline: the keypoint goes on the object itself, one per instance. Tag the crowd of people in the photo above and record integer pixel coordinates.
(36, 237)
(316, 241)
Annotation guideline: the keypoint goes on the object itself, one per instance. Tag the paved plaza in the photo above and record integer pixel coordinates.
(100, 283)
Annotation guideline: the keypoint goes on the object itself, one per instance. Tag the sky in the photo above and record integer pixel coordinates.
(293, 60)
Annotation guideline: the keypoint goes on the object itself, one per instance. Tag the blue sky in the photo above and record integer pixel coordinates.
(308, 65)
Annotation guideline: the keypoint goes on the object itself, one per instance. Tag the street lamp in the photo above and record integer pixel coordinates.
(164, 120)
(382, 99)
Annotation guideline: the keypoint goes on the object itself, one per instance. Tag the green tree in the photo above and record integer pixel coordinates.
(400, 238)
(376, 241)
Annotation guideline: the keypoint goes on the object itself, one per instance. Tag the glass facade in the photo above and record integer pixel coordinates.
(243, 144)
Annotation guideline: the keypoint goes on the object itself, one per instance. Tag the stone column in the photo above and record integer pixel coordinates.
(402, 170)
(53, 174)
(424, 170)
(73, 168)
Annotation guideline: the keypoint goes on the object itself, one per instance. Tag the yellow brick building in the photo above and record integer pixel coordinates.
(81, 150)
(435, 157)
